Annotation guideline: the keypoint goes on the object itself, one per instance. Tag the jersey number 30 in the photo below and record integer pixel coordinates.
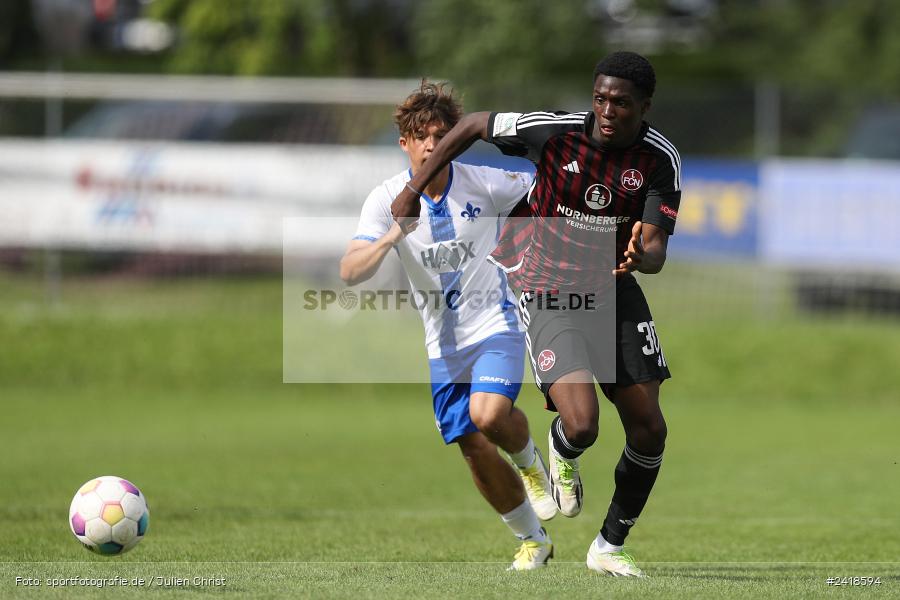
(648, 328)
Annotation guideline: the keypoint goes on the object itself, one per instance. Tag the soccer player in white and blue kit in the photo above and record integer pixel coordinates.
(474, 340)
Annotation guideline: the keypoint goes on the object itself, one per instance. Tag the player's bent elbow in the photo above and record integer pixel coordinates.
(348, 274)
(653, 263)
(351, 280)
(651, 269)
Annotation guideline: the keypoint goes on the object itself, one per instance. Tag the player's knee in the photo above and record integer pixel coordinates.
(656, 434)
(582, 433)
(650, 436)
(488, 421)
(488, 416)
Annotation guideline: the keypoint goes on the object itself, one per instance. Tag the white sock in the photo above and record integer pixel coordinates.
(524, 458)
(524, 523)
(605, 546)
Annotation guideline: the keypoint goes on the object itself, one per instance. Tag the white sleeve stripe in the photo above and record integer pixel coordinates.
(549, 116)
(672, 151)
(545, 120)
(662, 139)
(533, 123)
(554, 115)
(657, 139)
(537, 113)
(677, 182)
(660, 136)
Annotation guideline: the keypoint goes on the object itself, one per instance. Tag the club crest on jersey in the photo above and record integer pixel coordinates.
(471, 212)
(598, 196)
(632, 180)
(546, 359)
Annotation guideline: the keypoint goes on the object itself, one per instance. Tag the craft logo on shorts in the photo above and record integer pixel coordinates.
(632, 180)
(598, 196)
(546, 360)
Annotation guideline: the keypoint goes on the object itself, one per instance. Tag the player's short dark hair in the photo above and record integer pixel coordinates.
(431, 103)
(631, 66)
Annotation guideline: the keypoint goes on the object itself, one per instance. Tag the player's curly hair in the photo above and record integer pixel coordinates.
(628, 65)
(431, 103)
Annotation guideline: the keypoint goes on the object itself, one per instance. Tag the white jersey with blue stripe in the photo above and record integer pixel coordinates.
(468, 298)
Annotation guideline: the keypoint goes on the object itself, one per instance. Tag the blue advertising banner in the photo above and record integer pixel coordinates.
(829, 213)
(719, 210)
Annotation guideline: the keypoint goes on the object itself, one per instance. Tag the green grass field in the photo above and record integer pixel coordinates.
(781, 468)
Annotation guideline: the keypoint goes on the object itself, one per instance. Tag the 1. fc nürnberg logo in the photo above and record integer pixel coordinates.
(546, 360)
(598, 196)
(632, 180)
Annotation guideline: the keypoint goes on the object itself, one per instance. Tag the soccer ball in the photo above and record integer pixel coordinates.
(109, 515)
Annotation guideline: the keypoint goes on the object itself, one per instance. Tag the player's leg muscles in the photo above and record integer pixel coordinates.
(507, 427)
(641, 415)
(639, 464)
(571, 433)
(498, 419)
(502, 488)
(494, 477)
(575, 399)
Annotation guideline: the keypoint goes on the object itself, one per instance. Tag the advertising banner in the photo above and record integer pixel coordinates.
(826, 214)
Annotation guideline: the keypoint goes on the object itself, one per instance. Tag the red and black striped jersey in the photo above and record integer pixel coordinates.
(584, 200)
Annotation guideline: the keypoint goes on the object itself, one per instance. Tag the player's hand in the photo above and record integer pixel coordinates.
(634, 253)
(396, 234)
(405, 209)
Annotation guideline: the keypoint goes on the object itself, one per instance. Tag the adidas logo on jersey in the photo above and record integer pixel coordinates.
(572, 167)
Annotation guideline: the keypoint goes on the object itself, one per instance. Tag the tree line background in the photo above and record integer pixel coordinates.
(830, 59)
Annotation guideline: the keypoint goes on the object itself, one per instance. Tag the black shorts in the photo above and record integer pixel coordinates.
(562, 341)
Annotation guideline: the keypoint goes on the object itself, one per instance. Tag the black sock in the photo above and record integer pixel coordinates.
(563, 447)
(635, 475)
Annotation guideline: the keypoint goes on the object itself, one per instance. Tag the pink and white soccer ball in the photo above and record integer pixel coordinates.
(109, 515)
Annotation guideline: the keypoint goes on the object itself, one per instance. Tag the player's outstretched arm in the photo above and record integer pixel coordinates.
(363, 258)
(473, 126)
(646, 250)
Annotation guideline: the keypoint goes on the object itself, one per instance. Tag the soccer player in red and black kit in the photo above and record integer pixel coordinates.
(605, 170)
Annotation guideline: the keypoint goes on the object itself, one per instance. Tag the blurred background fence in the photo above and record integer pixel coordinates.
(185, 164)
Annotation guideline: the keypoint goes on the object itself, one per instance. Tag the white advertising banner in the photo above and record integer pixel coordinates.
(178, 197)
(821, 213)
